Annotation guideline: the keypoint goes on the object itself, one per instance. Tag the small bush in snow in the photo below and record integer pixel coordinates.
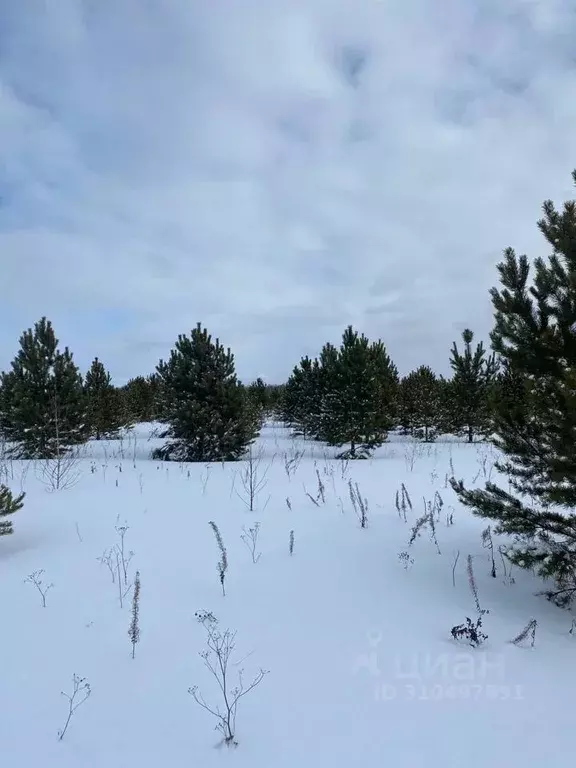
(253, 479)
(471, 631)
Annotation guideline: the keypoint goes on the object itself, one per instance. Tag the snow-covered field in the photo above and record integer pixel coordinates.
(362, 668)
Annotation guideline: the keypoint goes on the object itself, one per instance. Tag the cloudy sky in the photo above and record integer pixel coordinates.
(276, 169)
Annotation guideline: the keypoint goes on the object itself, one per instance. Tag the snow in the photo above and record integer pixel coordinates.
(362, 667)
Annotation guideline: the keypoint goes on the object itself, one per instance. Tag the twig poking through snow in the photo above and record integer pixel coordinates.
(454, 568)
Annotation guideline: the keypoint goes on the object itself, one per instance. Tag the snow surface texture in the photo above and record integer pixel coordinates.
(363, 669)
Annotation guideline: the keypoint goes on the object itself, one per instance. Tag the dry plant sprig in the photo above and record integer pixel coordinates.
(488, 544)
(217, 658)
(222, 566)
(134, 629)
(474, 587)
(359, 503)
(35, 578)
(528, 631)
(403, 502)
(426, 521)
(250, 538)
(80, 692)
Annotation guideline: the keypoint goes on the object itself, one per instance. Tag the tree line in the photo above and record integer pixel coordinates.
(349, 396)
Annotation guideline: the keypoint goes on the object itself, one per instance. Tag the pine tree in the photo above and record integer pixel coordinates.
(359, 397)
(258, 393)
(8, 505)
(142, 398)
(42, 403)
(406, 411)
(105, 412)
(535, 419)
(275, 397)
(205, 406)
(474, 373)
(421, 398)
(302, 398)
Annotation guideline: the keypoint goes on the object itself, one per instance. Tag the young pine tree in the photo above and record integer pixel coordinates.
(359, 395)
(406, 408)
(474, 374)
(302, 398)
(258, 393)
(105, 407)
(208, 412)
(42, 402)
(422, 400)
(535, 419)
(8, 505)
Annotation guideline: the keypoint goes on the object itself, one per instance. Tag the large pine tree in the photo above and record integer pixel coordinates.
(535, 418)
(42, 402)
(359, 395)
(106, 412)
(469, 389)
(208, 412)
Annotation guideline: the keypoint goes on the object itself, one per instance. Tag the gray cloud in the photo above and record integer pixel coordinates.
(276, 169)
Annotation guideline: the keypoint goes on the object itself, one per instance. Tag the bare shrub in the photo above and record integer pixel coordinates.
(253, 479)
(61, 472)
